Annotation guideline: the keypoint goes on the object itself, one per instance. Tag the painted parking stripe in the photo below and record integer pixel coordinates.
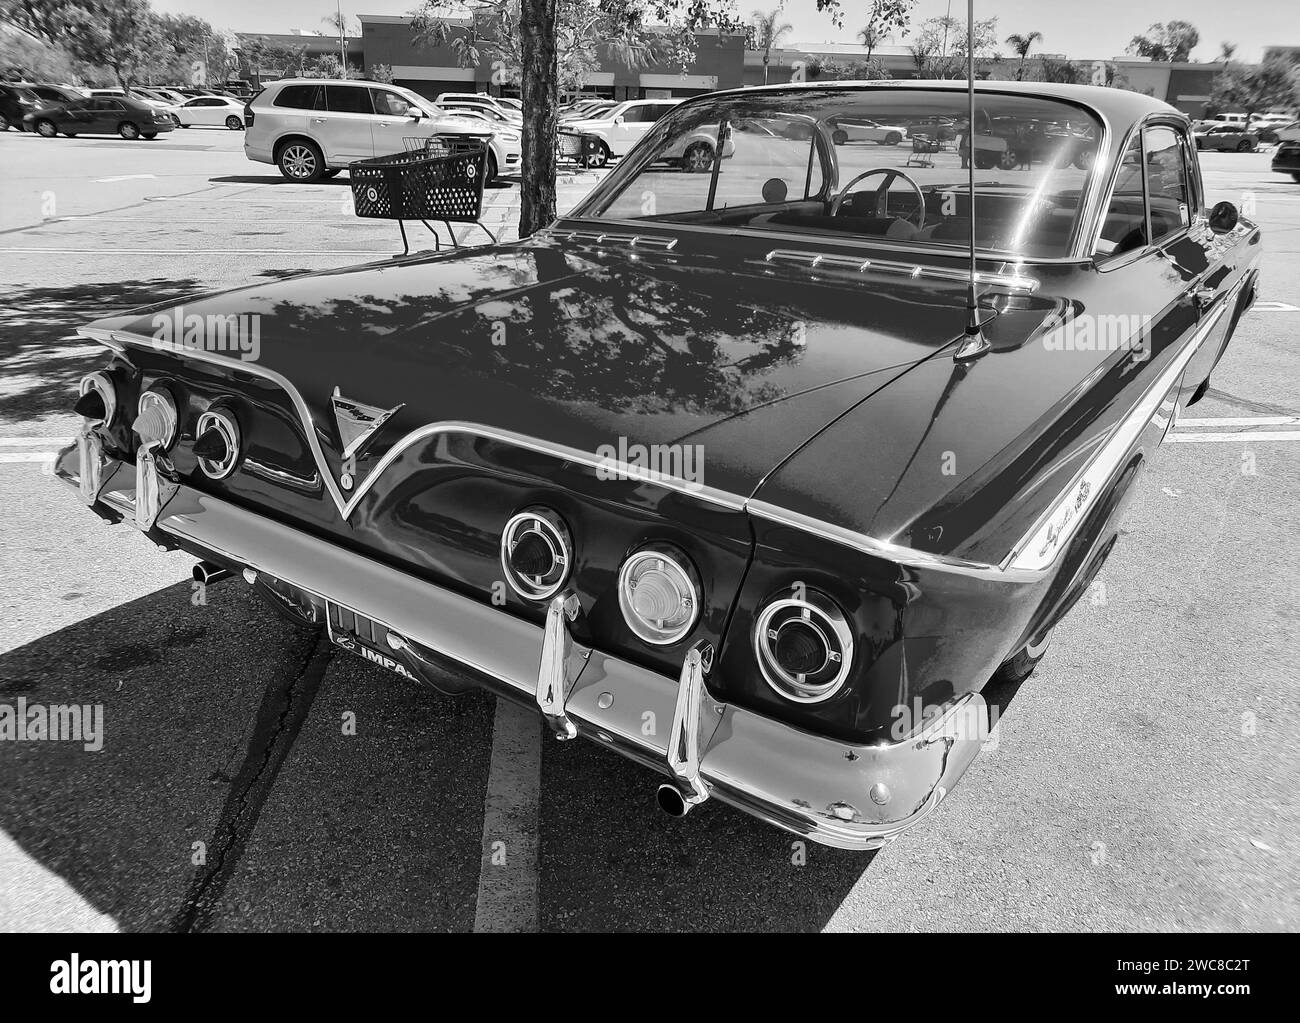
(1274, 307)
(20, 442)
(507, 883)
(13, 457)
(124, 177)
(1242, 421)
(110, 253)
(1245, 437)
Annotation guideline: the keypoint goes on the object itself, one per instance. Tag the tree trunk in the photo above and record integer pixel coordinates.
(539, 88)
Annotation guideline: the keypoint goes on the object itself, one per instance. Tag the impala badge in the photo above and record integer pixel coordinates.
(357, 423)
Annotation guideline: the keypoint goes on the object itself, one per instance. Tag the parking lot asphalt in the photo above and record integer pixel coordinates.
(251, 778)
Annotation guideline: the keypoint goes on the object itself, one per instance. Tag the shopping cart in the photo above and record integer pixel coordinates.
(581, 148)
(439, 177)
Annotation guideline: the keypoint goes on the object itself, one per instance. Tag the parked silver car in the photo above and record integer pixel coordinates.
(1232, 137)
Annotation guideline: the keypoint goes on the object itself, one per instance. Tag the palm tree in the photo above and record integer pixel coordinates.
(871, 38)
(1022, 44)
(768, 33)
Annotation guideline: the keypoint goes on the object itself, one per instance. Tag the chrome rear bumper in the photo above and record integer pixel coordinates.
(835, 793)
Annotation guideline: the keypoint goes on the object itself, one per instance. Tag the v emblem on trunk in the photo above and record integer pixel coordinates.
(357, 423)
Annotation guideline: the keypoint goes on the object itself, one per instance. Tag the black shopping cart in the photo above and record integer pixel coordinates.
(439, 177)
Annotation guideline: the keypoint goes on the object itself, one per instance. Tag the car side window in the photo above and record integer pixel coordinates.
(1125, 225)
(388, 103)
(634, 114)
(348, 99)
(1168, 182)
(299, 97)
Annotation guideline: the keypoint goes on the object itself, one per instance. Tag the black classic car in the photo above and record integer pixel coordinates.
(723, 471)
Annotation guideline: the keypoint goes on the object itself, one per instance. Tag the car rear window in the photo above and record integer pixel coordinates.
(348, 99)
(299, 97)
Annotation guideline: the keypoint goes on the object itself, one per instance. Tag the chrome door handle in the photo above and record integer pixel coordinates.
(318, 120)
(1203, 297)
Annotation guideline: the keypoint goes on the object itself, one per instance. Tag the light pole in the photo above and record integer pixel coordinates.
(343, 50)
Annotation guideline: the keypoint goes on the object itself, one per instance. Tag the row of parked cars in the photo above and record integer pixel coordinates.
(51, 110)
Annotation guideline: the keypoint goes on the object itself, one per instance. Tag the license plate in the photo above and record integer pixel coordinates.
(366, 638)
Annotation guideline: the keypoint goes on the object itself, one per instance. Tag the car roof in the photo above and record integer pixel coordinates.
(1118, 106)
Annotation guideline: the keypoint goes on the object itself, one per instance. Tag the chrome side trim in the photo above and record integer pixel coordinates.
(820, 260)
(634, 241)
(880, 548)
(1039, 548)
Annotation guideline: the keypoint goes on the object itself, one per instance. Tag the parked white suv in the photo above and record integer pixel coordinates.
(480, 99)
(621, 127)
(312, 128)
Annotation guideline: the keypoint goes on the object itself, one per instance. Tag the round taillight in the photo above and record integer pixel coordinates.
(216, 443)
(536, 553)
(156, 418)
(97, 401)
(804, 646)
(659, 594)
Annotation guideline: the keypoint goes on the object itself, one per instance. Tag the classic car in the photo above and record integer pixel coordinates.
(757, 477)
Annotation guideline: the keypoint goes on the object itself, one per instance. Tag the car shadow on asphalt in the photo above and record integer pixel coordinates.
(42, 360)
(274, 179)
(230, 793)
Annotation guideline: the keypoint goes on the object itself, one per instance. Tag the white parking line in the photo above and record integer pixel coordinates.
(507, 882)
(1242, 421)
(125, 177)
(10, 457)
(203, 251)
(1245, 437)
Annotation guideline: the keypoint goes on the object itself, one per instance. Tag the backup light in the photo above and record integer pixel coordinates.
(659, 594)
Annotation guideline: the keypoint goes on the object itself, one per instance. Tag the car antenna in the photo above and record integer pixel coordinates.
(974, 343)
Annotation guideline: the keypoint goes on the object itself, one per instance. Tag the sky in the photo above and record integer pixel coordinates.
(1077, 28)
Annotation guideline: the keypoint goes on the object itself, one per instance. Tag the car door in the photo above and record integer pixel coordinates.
(1147, 268)
(105, 115)
(343, 129)
(627, 127)
(392, 125)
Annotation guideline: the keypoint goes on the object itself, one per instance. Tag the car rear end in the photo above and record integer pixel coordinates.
(260, 126)
(1286, 159)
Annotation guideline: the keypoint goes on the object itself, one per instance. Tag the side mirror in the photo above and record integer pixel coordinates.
(618, 119)
(414, 111)
(1223, 218)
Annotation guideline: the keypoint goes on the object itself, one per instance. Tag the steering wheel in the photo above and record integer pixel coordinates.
(890, 174)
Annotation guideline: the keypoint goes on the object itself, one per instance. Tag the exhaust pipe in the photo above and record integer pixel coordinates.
(673, 801)
(207, 572)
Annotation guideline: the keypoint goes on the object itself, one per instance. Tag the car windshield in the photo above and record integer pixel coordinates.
(854, 162)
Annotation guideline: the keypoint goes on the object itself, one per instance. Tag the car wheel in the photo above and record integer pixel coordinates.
(1022, 665)
(4, 123)
(1083, 159)
(839, 136)
(1295, 176)
(128, 130)
(1243, 146)
(984, 161)
(234, 123)
(599, 157)
(698, 157)
(46, 129)
(1008, 160)
(492, 170)
(301, 161)
(893, 138)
